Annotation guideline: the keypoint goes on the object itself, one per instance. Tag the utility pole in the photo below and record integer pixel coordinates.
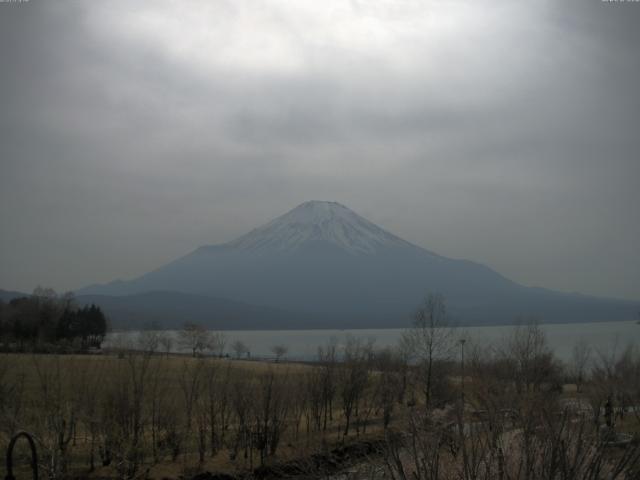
(465, 458)
(462, 342)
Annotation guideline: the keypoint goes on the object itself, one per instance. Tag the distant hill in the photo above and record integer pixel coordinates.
(170, 310)
(8, 295)
(324, 259)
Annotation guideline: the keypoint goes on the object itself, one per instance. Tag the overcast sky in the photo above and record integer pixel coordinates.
(505, 132)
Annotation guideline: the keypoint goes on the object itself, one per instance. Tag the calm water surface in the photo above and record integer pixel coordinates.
(303, 344)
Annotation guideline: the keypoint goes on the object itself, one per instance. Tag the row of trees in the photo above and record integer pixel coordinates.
(45, 318)
(193, 338)
(500, 414)
(141, 409)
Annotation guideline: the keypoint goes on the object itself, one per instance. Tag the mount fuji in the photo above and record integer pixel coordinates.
(323, 265)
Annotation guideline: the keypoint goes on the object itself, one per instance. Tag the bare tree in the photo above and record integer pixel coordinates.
(55, 415)
(242, 395)
(149, 339)
(316, 403)
(387, 383)
(580, 358)
(279, 351)
(216, 403)
(89, 380)
(328, 359)
(299, 402)
(218, 343)
(531, 358)
(195, 338)
(157, 400)
(270, 412)
(12, 396)
(122, 415)
(354, 377)
(166, 342)
(239, 348)
(430, 340)
(191, 384)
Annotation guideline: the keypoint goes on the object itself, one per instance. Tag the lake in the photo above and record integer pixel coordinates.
(303, 344)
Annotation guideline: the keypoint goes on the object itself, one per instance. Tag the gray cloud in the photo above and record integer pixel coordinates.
(503, 132)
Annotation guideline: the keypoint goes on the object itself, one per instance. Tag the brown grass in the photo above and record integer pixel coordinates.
(69, 373)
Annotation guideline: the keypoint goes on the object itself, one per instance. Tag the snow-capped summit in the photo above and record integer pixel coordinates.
(318, 221)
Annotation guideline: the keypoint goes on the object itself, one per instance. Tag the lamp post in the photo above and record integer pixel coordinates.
(461, 417)
(462, 342)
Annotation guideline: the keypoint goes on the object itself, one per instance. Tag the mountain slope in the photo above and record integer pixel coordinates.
(8, 295)
(171, 310)
(325, 259)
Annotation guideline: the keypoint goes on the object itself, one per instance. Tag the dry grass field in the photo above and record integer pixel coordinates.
(171, 415)
(135, 414)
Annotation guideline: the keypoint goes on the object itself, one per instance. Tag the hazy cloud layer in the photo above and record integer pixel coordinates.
(506, 132)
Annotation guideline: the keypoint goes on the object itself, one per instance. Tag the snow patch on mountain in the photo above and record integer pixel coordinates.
(319, 221)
